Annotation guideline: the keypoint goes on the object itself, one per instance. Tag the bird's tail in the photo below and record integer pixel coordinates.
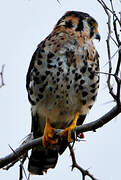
(41, 160)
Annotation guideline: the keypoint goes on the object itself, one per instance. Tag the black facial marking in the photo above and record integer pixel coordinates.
(80, 25)
(68, 24)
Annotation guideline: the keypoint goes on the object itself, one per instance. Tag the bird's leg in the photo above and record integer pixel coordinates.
(70, 128)
(48, 136)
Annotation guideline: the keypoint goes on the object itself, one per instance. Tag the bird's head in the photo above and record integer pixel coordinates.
(80, 22)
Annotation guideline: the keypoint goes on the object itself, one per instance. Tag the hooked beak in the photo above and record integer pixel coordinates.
(98, 36)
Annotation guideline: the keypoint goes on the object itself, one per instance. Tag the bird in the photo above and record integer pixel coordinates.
(62, 85)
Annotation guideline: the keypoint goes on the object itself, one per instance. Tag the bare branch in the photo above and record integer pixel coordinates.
(1, 76)
(76, 165)
(16, 155)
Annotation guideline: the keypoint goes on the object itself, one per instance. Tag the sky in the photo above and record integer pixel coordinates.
(24, 24)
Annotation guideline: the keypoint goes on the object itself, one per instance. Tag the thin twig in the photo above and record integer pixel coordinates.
(76, 165)
(1, 76)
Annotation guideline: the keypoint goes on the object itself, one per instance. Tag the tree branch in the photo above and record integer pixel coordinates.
(76, 165)
(24, 148)
(1, 76)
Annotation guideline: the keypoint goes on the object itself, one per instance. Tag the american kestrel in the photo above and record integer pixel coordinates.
(62, 84)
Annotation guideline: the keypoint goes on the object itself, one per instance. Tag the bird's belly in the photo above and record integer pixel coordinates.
(60, 104)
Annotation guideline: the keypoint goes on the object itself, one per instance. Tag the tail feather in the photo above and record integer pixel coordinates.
(41, 160)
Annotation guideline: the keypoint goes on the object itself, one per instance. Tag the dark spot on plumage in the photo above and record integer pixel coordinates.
(85, 62)
(93, 85)
(80, 87)
(61, 85)
(60, 63)
(97, 68)
(50, 55)
(60, 69)
(51, 66)
(70, 81)
(37, 99)
(80, 25)
(31, 101)
(83, 102)
(62, 38)
(49, 44)
(54, 82)
(42, 89)
(73, 71)
(53, 77)
(77, 91)
(35, 70)
(90, 106)
(92, 90)
(40, 96)
(82, 81)
(58, 45)
(90, 69)
(49, 61)
(39, 62)
(81, 119)
(50, 88)
(55, 103)
(91, 76)
(66, 78)
(94, 97)
(37, 80)
(58, 73)
(83, 69)
(56, 88)
(43, 77)
(58, 79)
(68, 86)
(68, 24)
(84, 93)
(40, 55)
(58, 59)
(77, 76)
(98, 86)
(67, 102)
(66, 95)
(57, 96)
(47, 73)
(37, 73)
(30, 91)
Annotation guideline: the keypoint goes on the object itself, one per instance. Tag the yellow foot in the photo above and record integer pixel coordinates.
(48, 134)
(70, 128)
